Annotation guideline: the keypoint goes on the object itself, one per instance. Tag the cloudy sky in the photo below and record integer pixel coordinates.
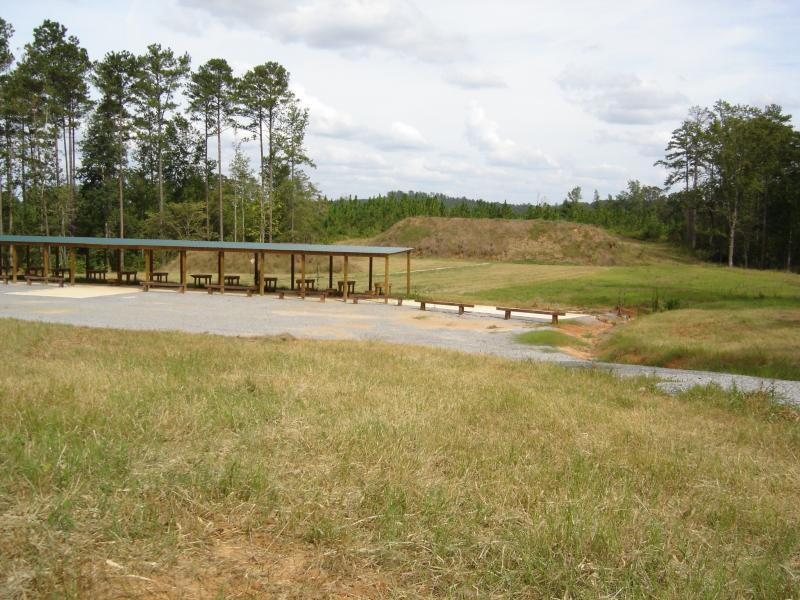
(508, 100)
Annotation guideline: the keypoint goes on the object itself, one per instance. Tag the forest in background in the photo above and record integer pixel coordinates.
(732, 194)
(131, 146)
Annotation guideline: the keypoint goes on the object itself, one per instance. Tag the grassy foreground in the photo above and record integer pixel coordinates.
(178, 465)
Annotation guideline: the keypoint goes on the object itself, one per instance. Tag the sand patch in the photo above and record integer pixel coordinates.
(76, 292)
(327, 315)
(438, 320)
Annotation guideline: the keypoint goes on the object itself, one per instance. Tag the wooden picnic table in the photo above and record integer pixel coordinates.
(379, 289)
(204, 277)
(271, 284)
(96, 274)
(35, 271)
(160, 276)
(311, 284)
(129, 276)
(231, 279)
(351, 286)
(60, 271)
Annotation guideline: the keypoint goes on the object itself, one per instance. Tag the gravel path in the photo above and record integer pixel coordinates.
(109, 306)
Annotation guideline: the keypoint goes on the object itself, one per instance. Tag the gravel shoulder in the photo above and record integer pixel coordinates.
(105, 306)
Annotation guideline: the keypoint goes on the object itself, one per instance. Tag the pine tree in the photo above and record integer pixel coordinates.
(211, 95)
(263, 94)
(160, 77)
(115, 77)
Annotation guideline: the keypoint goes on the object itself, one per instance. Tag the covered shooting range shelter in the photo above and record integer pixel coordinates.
(258, 250)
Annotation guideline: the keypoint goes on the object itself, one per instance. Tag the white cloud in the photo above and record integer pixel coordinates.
(483, 134)
(648, 143)
(473, 78)
(345, 157)
(404, 136)
(352, 27)
(600, 85)
(621, 98)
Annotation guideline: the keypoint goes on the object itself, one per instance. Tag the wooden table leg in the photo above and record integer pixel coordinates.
(386, 280)
(345, 286)
(303, 276)
(183, 271)
(260, 273)
(73, 265)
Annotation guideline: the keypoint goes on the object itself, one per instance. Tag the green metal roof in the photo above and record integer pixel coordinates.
(199, 245)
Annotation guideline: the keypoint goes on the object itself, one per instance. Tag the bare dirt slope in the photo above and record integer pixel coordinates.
(514, 240)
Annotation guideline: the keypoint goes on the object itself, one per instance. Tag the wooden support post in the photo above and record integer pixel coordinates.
(183, 261)
(148, 265)
(345, 287)
(46, 262)
(255, 269)
(260, 261)
(14, 264)
(386, 280)
(73, 265)
(291, 274)
(408, 273)
(221, 271)
(330, 272)
(369, 284)
(303, 276)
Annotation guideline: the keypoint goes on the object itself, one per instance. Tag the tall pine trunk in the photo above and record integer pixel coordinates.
(219, 173)
(72, 164)
(42, 196)
(9, 181)
(261, 175)
(271, 132)
(121, 187)
(732, 232)
(763, 259)
(1, 206)
(208, 193)
(160, 184)
(23, 181)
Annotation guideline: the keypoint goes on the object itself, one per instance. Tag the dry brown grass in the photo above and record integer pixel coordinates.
(172, 465)
(550, 242)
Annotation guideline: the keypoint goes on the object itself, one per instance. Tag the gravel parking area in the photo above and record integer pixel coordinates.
(483, 332)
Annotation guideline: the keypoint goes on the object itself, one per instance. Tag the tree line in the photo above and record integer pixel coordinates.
(120, 146)
(132, 146)
(732, 194)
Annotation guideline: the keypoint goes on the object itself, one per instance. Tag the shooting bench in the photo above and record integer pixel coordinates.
(146, 285)
(358, 297)
(230, 288)
(312, 293)
(460, 305)
(554, 314)
(29, 279)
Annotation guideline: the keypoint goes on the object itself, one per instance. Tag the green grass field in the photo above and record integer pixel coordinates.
(754, 341)
(591, 287)
(720, 319)
(549, 337)
(176, 465)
